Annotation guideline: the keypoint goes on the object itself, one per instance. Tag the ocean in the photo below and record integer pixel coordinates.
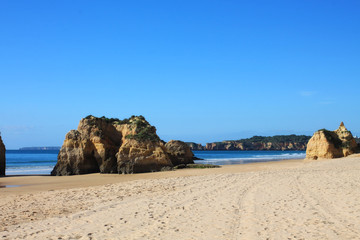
(20, 162)
(26, 162)
(242, 157)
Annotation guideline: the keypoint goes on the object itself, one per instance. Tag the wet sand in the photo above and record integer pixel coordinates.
(291, 199)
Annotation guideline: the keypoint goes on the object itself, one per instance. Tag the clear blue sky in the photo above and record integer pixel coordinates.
(198, 70)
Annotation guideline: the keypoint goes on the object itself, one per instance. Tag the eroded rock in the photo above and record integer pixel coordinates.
(179, 152)
(112, 146)
(331, 144)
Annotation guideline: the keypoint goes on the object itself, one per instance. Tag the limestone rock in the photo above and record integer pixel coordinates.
(2, 158)
(76, 156)
(137, 157)
(331, 144)
(179, 152)
(195, 146)
(112, 146)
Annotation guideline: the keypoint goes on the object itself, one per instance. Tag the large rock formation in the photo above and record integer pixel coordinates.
(2, 158)
(331, 144)
(179, 152)
(112, 146)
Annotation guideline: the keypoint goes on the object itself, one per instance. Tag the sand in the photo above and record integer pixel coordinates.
(279, 200)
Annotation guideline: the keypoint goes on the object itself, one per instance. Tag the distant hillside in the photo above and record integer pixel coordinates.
(279, 142)
(39, 148)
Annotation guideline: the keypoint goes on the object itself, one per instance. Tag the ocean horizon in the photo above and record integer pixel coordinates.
(41, 162)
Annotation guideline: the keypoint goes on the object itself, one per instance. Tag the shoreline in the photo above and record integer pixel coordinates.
(207, 157)
(42, 182)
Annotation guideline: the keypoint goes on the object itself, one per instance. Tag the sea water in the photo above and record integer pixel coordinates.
(242, 157)
(20, 162)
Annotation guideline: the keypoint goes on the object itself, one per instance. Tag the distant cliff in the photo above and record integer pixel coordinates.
(195, 146)
(279, 142)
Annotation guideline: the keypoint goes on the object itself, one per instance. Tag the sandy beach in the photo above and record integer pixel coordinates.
(291, 199)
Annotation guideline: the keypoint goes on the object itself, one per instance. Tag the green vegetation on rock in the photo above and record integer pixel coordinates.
(332, 137)
(276, 139)
(144, 131)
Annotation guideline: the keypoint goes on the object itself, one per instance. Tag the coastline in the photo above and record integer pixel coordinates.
(34, 183)
(38, 162)
(43, 162)
(276, 200)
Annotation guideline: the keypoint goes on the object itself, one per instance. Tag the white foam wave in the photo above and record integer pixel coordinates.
(260, 157)
(28, 170)
(254, 158)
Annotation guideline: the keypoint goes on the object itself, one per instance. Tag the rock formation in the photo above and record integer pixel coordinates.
(2, 158)
(195, 146)
(179, 152)
(331, 144)
(112, 146)
(136, 156)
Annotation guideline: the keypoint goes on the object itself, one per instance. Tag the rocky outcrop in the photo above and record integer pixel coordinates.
(331, 144)
(179, 152)
(2, 158)
(136, 156)
(112, 146)
(195, 146)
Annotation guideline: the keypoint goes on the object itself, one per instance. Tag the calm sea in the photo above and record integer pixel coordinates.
(19, 162)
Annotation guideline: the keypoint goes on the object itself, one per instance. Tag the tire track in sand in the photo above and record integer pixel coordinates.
(331, 219)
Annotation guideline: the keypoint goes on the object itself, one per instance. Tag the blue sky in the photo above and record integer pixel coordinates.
(198, 70)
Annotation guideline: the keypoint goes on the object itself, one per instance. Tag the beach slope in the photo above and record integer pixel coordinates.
(279, 200)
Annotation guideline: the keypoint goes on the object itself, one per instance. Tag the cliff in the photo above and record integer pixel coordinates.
(2, 158)
(113, 146)
(279, 143)
(331, 144)
(195, 146)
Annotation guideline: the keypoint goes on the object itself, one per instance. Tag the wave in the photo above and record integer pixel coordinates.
(29, 170)
(282, 156)
(258, 157)
(38, 165)
(252, 158)
(30, 167)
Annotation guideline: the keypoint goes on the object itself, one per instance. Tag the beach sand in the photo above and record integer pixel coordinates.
(291, 199)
